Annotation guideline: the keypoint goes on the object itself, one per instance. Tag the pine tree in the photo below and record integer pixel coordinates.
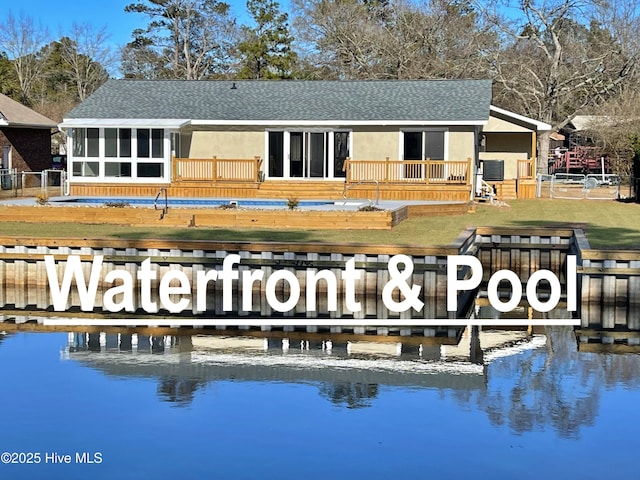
(266, 52)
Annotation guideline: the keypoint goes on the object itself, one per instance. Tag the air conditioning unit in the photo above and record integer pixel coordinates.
(493, 170)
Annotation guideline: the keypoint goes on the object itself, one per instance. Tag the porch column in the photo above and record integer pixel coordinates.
(534, 148)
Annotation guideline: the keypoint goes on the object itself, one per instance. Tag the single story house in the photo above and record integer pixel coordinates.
(417, 140)
(25, 137)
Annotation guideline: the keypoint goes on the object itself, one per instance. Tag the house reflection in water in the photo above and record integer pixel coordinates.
(527, 382)
(348, 374)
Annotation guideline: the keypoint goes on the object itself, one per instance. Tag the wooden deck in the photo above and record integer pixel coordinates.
(282, 189)
(242, 178)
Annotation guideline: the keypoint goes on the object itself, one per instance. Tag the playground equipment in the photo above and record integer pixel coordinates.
(582, 160)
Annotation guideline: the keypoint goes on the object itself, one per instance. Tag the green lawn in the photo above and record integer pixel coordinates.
(607, 223)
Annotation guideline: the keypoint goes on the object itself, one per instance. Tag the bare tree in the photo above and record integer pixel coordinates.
(558, 59)
(395, 39)
(88, 56)
(25, 43)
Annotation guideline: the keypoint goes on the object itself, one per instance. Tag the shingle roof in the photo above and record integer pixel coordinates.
(446, 101)
(14, 114)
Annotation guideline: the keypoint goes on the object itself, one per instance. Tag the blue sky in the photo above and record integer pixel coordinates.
(57, 16)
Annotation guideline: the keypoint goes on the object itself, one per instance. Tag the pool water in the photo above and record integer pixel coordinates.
(189, 202)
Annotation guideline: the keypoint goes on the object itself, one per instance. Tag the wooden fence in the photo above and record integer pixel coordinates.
(409, 171)
(216, 169)
(526, 169)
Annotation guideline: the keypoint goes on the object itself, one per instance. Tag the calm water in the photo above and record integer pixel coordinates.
(198, 408)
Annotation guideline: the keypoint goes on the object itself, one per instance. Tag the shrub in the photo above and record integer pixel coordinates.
(42, 199)
(369, 208)
(292, 203)
(227, 206)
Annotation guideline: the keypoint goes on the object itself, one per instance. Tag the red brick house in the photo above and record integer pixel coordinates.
(25, 137)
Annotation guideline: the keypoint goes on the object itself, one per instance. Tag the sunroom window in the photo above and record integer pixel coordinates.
(150, 142)
(86, 142)
(123, 153)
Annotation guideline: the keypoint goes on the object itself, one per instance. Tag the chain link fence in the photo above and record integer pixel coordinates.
(30, 184)
(578, 186)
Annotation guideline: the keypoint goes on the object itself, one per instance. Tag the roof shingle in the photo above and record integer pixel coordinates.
(253, 100)
(15, 114)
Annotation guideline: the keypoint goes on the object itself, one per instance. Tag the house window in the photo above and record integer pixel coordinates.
(143, 142)
(150, 142)
(86, 169)
(157, 143)
(110, 142)
(117, 169)
(86, 142)
(340, 152)
(78, 136)
(124, 136)
(119, 153)
(276, 154)
(150, 170)
(93, 142)
(117, 142)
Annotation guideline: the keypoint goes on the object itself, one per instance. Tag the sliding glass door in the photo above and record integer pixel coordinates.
(422, 145)
(307, 154)
(316, 165)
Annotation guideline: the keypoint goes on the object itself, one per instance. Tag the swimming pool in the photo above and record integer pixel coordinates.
(187, 202)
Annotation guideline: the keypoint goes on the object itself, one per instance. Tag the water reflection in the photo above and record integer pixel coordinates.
(349, 394)
(550, 386)
(526, 382)
(178, 390)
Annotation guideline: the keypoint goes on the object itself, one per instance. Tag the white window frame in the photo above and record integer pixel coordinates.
(165, 160)
(286, 170)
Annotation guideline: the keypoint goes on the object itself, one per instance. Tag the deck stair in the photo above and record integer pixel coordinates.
(303, 190)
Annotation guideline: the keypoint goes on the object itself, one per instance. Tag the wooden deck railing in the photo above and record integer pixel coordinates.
(526, 169)
(409, 171)
(216, 169)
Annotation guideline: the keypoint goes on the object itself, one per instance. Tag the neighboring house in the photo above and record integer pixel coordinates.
(25, 137)
(394, 139)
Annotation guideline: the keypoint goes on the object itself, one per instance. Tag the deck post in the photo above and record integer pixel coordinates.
(427, 165)
(346, 167)
(386, 171)
(215, 168)
(534, 149)
(256, 168)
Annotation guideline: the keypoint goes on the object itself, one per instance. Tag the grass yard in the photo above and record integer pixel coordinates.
(608, 224)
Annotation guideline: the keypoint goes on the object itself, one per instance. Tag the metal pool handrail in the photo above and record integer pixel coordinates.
(165, 209)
